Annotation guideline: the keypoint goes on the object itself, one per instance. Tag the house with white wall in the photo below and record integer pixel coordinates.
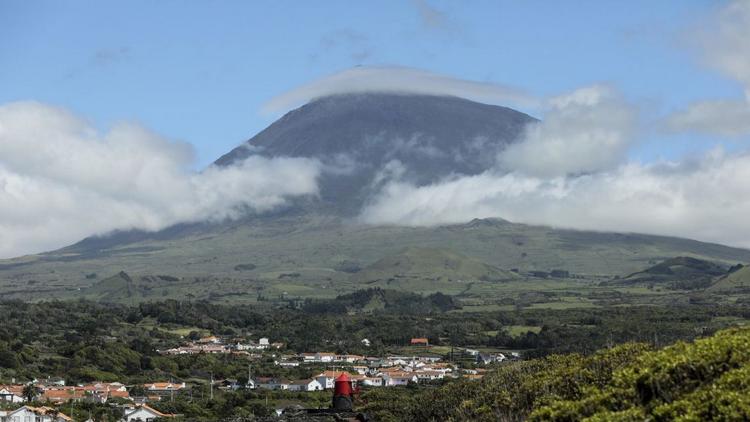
(305, 385)
(36, 414)
(144, 413)
(12, 393)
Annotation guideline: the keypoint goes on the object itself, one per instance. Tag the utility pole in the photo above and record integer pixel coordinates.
(212, 386)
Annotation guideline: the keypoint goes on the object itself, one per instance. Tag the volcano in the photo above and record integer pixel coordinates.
(360, 137)
(314, 248)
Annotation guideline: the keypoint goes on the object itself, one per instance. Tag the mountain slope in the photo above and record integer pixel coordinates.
(314, 249)
(430, 264)
(738, 280)
(317, 256)
(357, 135)
(682, 272)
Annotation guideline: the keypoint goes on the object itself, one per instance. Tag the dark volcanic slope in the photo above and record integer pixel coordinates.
(359, 134)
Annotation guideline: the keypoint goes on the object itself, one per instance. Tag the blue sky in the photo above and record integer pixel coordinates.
(200, 72)
(111, 112)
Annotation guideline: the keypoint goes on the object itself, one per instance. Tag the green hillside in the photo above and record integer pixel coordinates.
(708, 379)
(323, 257)
(737, 280)
(680, 272)
(118, 287)
(414, 264)
(375, 300)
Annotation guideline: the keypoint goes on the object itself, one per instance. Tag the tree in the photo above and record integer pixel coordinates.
(29, 392)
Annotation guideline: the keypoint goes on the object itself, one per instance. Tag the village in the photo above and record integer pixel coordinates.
(49, 396)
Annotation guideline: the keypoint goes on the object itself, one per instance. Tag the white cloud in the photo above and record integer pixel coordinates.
(570, 170)
(587, 130)
(706, 199)
(397, 80)
(61, 180)
(725, 47)
(729, 118)
(725, 42)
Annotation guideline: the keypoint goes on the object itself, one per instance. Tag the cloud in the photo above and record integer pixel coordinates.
(725, 47)
(397, 80)
(730, 118)
(725, 42)
(587, 130)
(61, 180)
(570, 170)
(706, 199)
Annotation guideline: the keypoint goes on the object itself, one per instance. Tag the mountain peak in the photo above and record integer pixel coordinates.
(429, 136)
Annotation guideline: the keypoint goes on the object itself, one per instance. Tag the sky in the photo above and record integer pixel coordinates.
(635, 89)
(201, 72)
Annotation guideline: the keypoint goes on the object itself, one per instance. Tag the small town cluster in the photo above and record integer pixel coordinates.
(363, 371)
(386, 371)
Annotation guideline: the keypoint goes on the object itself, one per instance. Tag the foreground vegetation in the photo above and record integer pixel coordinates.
(705, 380)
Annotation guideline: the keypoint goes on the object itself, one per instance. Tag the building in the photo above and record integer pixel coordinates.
(372, 381)
(391, 379)
(36, 414)
(428, 375)
(360, 369)
(322, 357)
(420, 341)
(268, 383)
(210, 340)
(65, 394)
(325, 357)
(487, 359)
(349, 358)
(305, 385)
(144, 413)
(163, 388)
(327, 378)
(12, 393)
(287, 363)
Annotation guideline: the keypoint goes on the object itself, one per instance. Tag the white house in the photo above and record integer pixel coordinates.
(144, 413)
(286, 363)
(327, 379)
(36, 414)
(360, 369)
(372, 381)
(349, 358)
(12, 393)
(305, 385)
(271, 384)
(263, 343)
(391, 379)
(308, 357)
(325, 357)
(210, 340)
(429, 375)
(164, 388)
